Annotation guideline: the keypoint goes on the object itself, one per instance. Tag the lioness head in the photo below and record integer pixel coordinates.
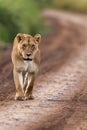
(27, 45)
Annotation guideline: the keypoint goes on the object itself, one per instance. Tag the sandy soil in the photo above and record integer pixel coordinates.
(61, 86)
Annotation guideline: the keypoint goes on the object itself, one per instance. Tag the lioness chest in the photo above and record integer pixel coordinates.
(27, 66)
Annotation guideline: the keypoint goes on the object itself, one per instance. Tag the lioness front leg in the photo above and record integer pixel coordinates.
(18, 79)
(29, 87)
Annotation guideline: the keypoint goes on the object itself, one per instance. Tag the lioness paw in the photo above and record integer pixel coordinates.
(19, 98)
(31, 97)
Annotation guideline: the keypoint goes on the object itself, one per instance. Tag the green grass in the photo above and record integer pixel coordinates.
(19, 16)
(25, 15)
(72, 5)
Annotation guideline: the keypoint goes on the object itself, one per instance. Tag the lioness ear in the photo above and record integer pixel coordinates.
(37, 38)
(19, 37)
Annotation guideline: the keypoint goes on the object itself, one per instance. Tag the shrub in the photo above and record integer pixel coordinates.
(19, 16)
(8, 27)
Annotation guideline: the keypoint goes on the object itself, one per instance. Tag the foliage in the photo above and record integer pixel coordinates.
(19, 16)
(25, 15)
(73, 5)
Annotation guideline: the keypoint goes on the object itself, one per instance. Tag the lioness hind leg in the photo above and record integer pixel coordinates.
(18, 82)
(29, 88)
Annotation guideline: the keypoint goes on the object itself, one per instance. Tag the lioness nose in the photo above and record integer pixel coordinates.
(28, 54)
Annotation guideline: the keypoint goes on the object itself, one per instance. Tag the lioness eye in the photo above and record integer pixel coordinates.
(33, 46)
(23, 45)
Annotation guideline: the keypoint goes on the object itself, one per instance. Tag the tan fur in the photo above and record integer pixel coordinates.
(26, 59)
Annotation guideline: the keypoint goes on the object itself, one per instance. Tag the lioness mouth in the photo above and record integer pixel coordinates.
(27, 59)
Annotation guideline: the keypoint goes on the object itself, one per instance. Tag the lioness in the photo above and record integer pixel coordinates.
(25, 59)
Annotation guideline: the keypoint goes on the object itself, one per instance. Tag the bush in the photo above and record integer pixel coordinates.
(43, 3)
(8, 27)
(19, 16)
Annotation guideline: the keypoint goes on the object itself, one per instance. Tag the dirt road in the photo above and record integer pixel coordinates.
(61, 87)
